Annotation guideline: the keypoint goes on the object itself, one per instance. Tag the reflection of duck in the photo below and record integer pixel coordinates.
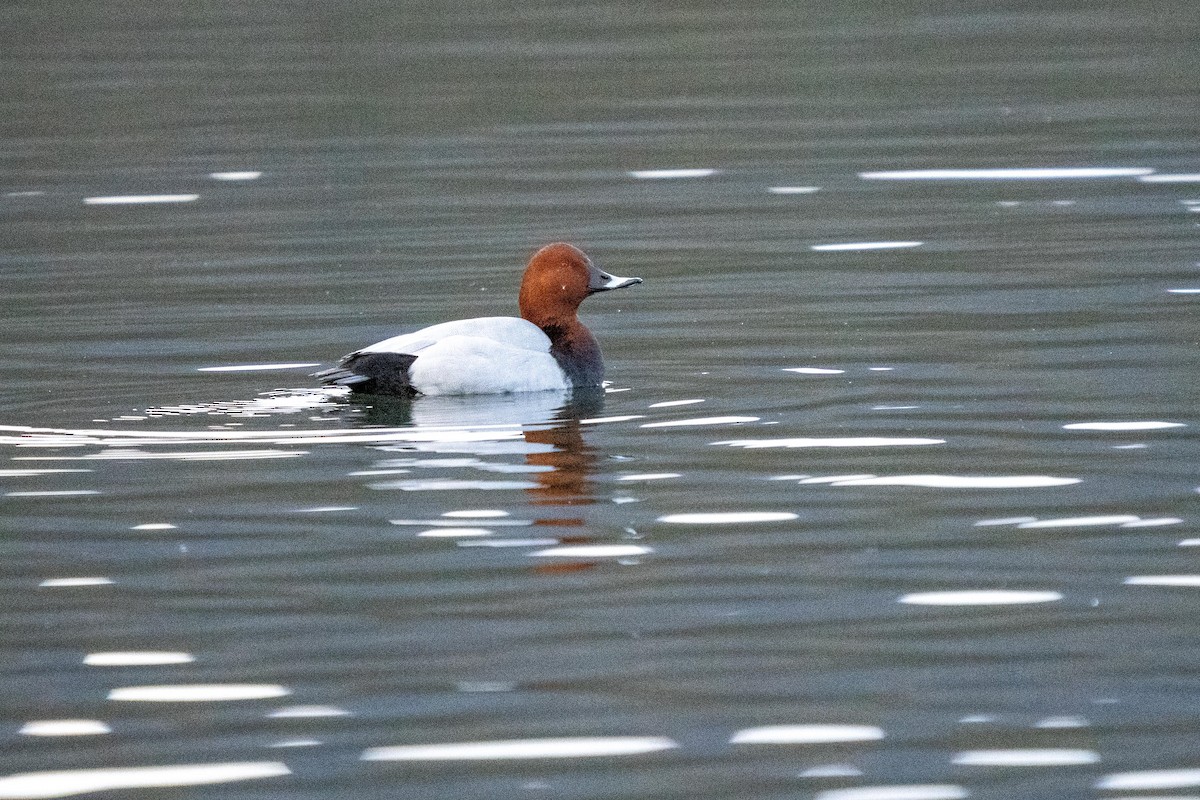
(570, 459)
(547, 348)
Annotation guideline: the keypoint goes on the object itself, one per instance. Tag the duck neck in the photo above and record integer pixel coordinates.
(576, 351)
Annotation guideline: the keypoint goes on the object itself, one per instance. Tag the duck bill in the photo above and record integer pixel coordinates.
(601, 281)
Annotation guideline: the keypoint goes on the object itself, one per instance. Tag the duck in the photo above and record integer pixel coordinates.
(546, 348)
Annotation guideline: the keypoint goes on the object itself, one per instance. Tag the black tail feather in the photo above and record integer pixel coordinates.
(372, 373)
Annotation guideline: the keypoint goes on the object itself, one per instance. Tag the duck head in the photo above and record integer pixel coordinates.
(559, 277)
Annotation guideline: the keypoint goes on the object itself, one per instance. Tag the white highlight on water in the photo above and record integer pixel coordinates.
(685, 423)
(1032, 173)
(65, 727)
(1178, 177)
(453, 523)
(304, 712)
(916, 791)
(849, 441)
(138, 658)
(243, 175)
(840, 246)
(67, 783)
(1004, 521)
(447, 484)
(1122, 426)
(1080, 522)
(1156, 522)
(672, 403)
(793, 189)
(666, 174)
(962, 481)
(139, 199)
(451, 533)
(728, 517)
(480, 513)
(153, 526)
(566, 747)
(1062, 722)
(1150, 779)
(807, 734)
(1043, 757)
(258, 367)
(66, 582)
(507, 542)
(1162, 580)
(650, 476)
(980, 597)
(198, 693)
(814, 370)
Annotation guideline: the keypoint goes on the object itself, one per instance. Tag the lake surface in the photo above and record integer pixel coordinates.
(892, 494)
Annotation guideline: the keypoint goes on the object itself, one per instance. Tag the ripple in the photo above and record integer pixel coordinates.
(198, 693)
(1150, 779)
(728, 517)
(143, 658)
(1151, 425)
(66, 783)
(1034, 173)
(850, 441)
(568, 747)
(65, 727)
(683, 423)
(1045, 757)
(979, 597)
(928, 791)
(807, 734)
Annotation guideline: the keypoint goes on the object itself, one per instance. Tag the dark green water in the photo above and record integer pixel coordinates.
(913, 517)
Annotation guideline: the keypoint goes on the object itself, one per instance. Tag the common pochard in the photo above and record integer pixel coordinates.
(546, 348)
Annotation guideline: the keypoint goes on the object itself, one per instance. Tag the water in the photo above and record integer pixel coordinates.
(892, 493)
